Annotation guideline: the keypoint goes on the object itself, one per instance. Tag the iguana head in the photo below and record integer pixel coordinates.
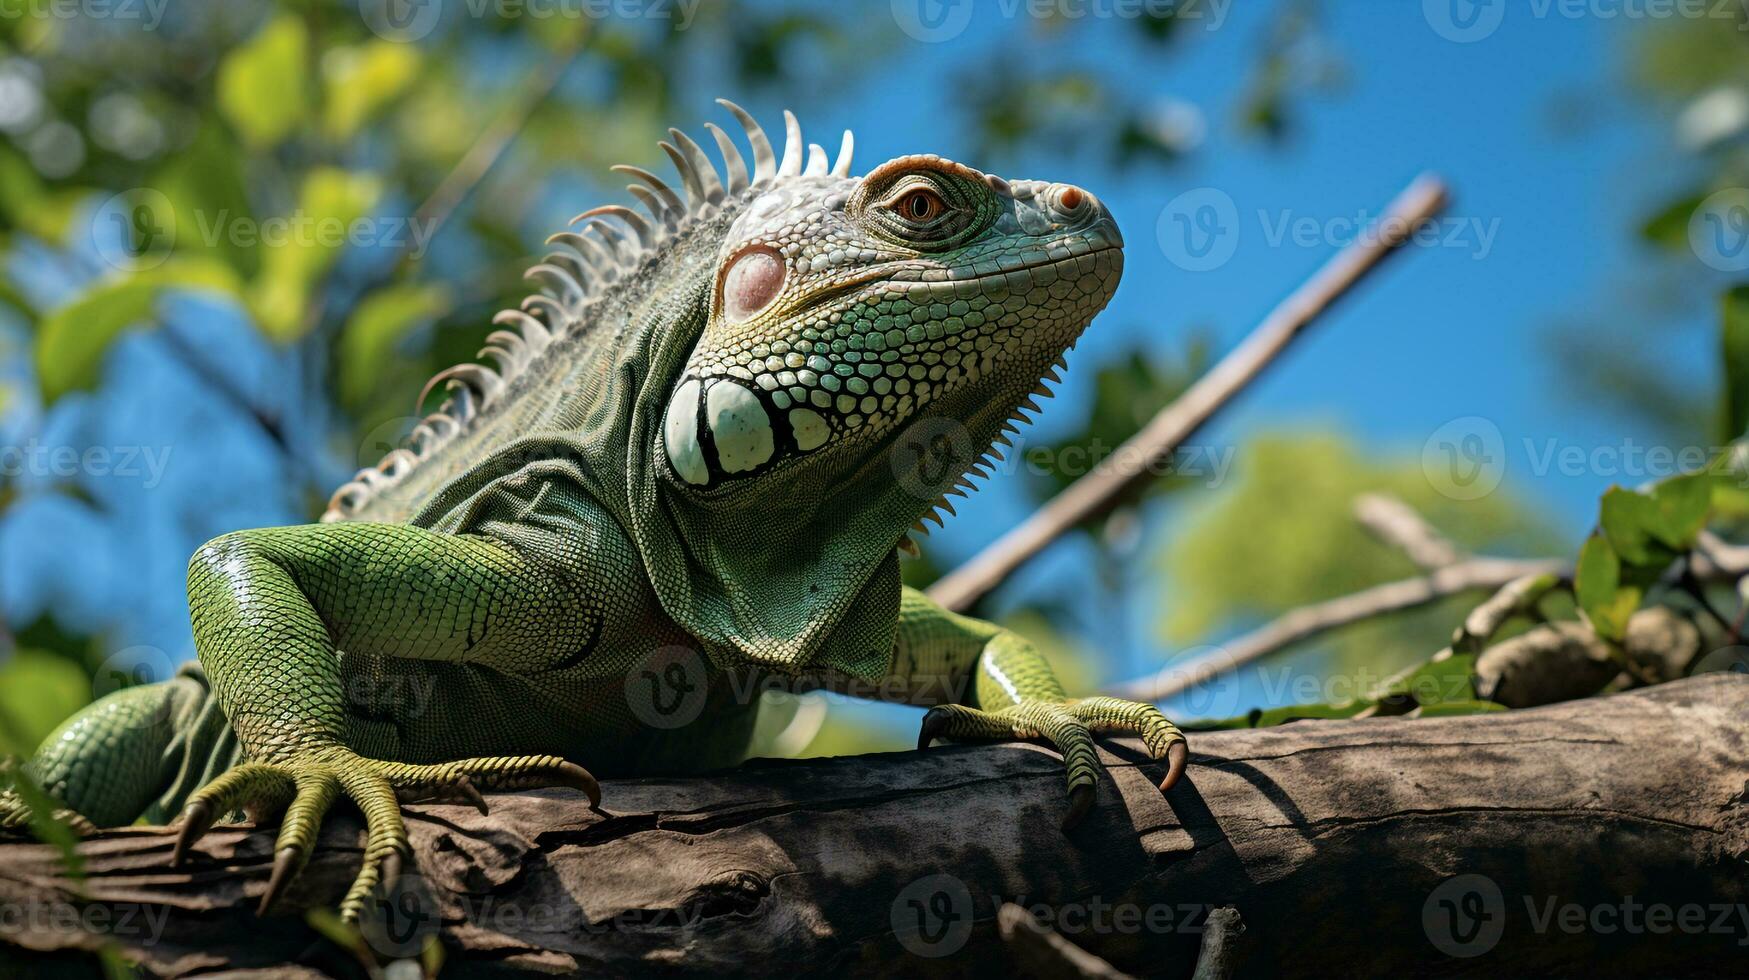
(846, 310)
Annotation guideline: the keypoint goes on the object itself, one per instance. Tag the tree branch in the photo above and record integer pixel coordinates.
(1397, 524)
(1336, 840)
(1306, 622)
(1141, 454)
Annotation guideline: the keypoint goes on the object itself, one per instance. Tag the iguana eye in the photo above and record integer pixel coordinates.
(921, 205)
(751, 281)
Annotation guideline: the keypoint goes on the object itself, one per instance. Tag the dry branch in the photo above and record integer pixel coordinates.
(1336, 842)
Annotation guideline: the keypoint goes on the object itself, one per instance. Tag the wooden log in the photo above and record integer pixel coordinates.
(1606, 836)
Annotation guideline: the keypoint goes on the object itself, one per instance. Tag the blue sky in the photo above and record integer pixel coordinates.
(1443, 333)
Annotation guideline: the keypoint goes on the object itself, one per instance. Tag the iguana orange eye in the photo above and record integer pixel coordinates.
(750, 282)
(921, 205)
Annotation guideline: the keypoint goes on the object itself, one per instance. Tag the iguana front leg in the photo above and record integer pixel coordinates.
(272, 607)
(1013, 694)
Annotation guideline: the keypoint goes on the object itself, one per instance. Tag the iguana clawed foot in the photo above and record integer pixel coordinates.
(303, 786)
(15, 817)
(1069, 725)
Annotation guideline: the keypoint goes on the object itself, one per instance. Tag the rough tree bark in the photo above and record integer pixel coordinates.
(1336, 842)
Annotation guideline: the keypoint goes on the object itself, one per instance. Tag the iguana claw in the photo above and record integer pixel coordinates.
(285, 865)
(196, 820)
(304, 786)
(1080, 802)
(1177, 755)
(1069, 725)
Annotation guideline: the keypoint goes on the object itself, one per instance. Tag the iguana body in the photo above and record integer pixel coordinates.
(709, 435)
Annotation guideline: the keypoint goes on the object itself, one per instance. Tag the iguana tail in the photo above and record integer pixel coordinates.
(137, 753)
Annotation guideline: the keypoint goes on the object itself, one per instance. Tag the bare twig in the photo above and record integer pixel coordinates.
(1398, 525)
(1307, 622)
(1044, 952)
(1180, 420)
(497, 137)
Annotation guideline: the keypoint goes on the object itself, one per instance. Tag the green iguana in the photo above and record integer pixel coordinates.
(712, 431)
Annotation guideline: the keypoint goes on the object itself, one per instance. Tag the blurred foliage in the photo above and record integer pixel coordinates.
(1283, 534)
(1694, 71)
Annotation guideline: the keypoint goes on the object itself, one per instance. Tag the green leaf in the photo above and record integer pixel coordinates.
(1434, 682)
(27, 203)
(1605, 600)
(204, 185)
(1628, 520)
(380, 321)
(261, 83)
(71, 340)
(330, 201)
(38, 690)
(1683, 503)
(1734, 347)
(1447, 709)
(1668, 228)
(360, 81)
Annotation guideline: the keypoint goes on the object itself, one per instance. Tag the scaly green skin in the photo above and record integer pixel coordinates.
(710, 437)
